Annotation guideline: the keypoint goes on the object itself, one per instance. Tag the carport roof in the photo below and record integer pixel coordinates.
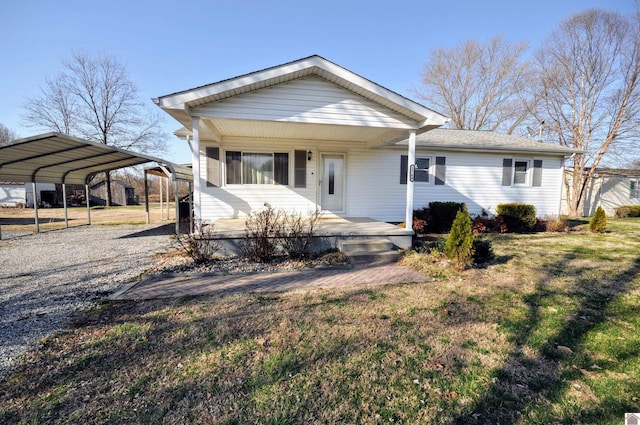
(59, 158)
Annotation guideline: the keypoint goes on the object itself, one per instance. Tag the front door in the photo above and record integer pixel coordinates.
(332, 195)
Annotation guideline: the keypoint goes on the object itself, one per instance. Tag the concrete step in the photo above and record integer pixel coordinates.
(367, 245)
(361, 257)
(371, 250)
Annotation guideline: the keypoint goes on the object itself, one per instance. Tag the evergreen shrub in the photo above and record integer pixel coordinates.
(442, 214)
(598, 223)
(459, 245)
(518, 217)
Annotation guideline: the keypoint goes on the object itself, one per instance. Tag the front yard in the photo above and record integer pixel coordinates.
(549, 333)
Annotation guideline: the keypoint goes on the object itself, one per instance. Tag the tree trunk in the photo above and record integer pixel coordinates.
(107, 180)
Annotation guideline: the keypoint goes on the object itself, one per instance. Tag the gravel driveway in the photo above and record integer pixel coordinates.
(44, 278)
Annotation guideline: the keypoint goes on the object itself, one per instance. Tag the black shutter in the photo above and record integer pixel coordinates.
(404, 162)
(537, 173)
(281, 168)
(507, 170)
(300, 168)
(441, 170)
(213, 166)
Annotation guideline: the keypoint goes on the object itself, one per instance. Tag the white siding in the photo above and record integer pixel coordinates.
(12, 194)
(307, 100)
(610, 192)
(233, 201)
(373, 186)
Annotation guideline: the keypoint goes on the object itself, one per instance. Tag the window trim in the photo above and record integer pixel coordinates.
(257, 151)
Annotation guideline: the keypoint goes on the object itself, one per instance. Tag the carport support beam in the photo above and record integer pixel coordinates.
(177, 205)
(35, 206)
(64, 204)
(87, 196)
(146, 195)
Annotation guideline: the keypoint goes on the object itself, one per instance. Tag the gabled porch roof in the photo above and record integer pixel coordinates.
(386, 117)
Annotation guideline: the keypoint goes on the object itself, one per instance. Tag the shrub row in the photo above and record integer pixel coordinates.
(628, 211)
(439, 217)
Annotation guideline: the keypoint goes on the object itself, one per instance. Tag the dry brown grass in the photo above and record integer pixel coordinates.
(22, 219)
(477, 346)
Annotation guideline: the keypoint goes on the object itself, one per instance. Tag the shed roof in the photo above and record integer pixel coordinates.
(478, 140)
(59, 158)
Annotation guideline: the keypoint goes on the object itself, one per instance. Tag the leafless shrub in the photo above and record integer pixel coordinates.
(262, 230)
(297, 233)
(201, 244)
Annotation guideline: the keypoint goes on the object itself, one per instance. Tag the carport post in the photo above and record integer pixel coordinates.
(177, 205)
(35, 206)
(87, 197)
(168, 207)
(146, 195)
(160, 180)
(64, 204)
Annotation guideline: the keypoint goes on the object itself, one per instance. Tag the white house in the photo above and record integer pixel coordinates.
(16, 194)
(310, 134)
(611, 188)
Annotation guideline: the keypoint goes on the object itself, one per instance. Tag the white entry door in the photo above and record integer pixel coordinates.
(332, 195)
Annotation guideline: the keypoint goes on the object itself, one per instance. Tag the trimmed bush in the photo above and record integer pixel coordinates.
(518, 217)
(598, 223)
(459, 245)
(442, 214)
(482, 251)
(628, 211)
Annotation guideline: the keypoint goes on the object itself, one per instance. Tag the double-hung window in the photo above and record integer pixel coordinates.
(257, 168)
(421, 170)
(634, 189)
(521, 172)
(520, 169)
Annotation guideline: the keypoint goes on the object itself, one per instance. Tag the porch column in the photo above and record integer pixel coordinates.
(411, 160)
(195, 163)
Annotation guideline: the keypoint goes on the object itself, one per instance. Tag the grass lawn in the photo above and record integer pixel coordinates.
(550, 333)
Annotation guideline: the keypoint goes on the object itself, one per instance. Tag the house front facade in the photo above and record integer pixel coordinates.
(310, 134)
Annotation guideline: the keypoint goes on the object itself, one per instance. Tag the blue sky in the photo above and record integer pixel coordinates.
(172, 46)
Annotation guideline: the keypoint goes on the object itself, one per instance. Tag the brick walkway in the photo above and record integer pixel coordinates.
(170, 286)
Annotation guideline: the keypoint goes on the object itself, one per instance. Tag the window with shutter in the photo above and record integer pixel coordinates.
(213, 166)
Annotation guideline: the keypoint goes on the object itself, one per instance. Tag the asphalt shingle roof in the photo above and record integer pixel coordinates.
(451, 139)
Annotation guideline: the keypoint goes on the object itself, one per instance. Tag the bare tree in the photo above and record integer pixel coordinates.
(6, 135)
(55, 109)
(481, 86)
(590, 67)
(94, 98)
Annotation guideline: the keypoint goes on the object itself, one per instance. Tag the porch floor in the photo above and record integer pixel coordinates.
(331, 226)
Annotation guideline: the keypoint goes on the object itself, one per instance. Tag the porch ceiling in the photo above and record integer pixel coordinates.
(215, 128)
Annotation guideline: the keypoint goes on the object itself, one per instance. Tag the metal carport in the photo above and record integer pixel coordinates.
(59, 158)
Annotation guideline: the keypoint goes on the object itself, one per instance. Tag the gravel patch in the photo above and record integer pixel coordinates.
(45, 278)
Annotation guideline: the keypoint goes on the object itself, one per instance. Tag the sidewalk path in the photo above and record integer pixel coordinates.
(169, 286)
